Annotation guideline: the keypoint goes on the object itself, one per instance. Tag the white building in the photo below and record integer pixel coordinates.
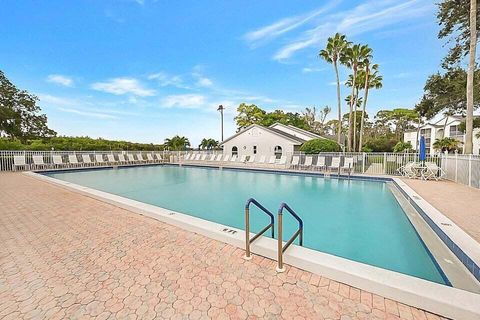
(435, 130)
(278, 139)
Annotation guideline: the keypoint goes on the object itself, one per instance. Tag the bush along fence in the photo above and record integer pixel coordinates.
(464, 169)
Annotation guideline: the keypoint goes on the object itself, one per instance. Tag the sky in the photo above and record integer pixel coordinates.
(145, 70)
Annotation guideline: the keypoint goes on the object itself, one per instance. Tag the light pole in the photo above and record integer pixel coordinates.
(221, 108)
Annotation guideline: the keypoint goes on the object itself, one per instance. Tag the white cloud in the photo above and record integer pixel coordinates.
(120, 86)
(204, 82)
(276, 29)
(184, 101)
(87, 113)
(368, 16)
(61, 80)
(164, 80)
(310, 70)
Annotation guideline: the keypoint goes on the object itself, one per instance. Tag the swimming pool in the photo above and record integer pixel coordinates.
(354, 219)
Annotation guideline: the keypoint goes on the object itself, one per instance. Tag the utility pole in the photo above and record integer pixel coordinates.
(221, 108)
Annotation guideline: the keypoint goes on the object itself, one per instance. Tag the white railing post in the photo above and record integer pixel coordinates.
(456, 166)
(470, 170)
(363, 162)
(385, 163)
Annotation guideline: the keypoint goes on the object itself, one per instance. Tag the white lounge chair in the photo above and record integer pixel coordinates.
(212, 157)
(432, 171)
(131, 159)
(158, 157)
(282, 161)
(262, 159)
(219, 157)
(73, 160)
(243, 158)
(226, 158)
(150, 158)
(203, 157)
(187, 157)
(251, 159)
(99, 159)
(295, 162)
(111, 159)
(335, 165)
(347, 165)
(308, 162)
(122, 159)
(58, 161)
(272, 160)
(234, 158)
(198, 156)
(140, 158)
(38, 162)
(320, 164)
(19, 161)
(86, 160)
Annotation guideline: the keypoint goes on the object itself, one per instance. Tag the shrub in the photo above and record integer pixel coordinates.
(403, 147)
(320, 145)
(382, 144)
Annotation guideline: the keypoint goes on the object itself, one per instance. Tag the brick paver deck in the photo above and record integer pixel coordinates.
(458, 202)
(64, 255)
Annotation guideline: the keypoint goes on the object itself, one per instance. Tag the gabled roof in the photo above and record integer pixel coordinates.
(301, 131)
(274, 131)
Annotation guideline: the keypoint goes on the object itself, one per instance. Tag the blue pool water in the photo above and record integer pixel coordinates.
(358, 220)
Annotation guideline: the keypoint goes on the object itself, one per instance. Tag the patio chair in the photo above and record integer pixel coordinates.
(99, 159)
(243, 158)
(58, 161)
(39, 163)
(234, 158)
(226, 158)
(86, 160)
(204, 157)
(187, 157)
(140, 158)
(432, 171)
(150, 158)
(347, 165)
(111, 159)
(197, 157)
(272, 160)
(73, 160)
(131, 159)
(212, 157)
(295, 162)
(335, 165)
(19, 161)
(262, 159)
(218, 157)
(282, 161)
(320, 163)
(158, 157)
(122, 159)
(308, 162)
(251, 159)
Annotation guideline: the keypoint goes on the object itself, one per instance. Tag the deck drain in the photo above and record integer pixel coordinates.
(171, 213)
(231, 231)
(446, 224)
(416, 198)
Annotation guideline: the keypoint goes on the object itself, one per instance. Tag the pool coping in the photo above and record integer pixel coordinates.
(446, 301)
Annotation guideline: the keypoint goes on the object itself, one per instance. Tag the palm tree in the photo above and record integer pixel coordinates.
(354, 59)
(208, 144)
(470, 77)
(334, 53)
(177, 143)
(446, 144)
(371, 81)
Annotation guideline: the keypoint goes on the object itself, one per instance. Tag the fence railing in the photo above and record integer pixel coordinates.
(464, 169)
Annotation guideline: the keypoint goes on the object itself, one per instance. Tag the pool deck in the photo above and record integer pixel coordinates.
(458, 202)
(65, 255)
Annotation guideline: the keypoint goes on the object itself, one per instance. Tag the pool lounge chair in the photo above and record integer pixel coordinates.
(226, 158)
(282, 161)
(122, 159)
(158, 157)
(234, 158)
(262, 159)
(295, 162)
(218, 157)
(197, 157)
(131, 159)
(111, 159)
(243, 158)
(308, 162)
(432, 171)
(38, 162)
(99, 159)
(408, 170)
(335, 165)
(251, 159)
(58, 161)
(73, 160)
(140, 158)
(320, 164)
(86, 160)
(272, 160)
(203, 157)
(187, 157)
(212, 157)
(19, 161)
(150, 158)
(347, 165)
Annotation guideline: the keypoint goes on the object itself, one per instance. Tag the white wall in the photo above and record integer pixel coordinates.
(263, 139)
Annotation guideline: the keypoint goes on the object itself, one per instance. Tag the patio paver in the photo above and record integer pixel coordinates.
(64, 255)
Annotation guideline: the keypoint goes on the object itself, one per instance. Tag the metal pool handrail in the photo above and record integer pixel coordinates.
(298, 233)
(248, 241)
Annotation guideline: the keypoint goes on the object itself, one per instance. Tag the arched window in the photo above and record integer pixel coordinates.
(234, 151)
(278, 152)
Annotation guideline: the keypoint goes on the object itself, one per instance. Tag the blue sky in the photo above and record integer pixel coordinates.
(146, 70)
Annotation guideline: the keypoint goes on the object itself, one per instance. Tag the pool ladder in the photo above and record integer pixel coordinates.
(281, 248)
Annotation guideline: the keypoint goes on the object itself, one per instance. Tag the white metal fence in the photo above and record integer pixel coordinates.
(464, 169)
